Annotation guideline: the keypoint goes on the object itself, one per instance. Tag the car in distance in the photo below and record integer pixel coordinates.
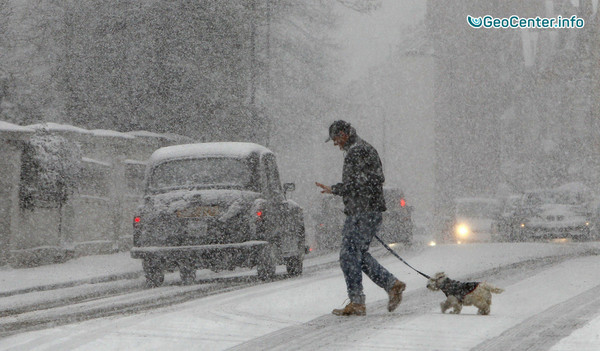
(216, 206)
(594, 208)
(396, 227)
(506, 227)
(557, 213)
(473, 218)
(329, 219)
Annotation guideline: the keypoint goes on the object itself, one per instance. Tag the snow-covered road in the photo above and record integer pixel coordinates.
(552, 301)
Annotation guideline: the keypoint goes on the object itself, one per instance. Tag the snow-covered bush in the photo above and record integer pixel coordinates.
(50, 169)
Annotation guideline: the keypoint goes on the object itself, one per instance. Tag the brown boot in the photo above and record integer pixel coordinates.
(395, 295)
(351, 309)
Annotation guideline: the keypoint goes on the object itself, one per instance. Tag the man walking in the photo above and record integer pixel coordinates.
(362, 192)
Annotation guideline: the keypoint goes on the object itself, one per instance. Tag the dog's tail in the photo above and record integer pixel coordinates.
(489, 287)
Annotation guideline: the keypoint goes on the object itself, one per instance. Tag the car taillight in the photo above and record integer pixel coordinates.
(259, 214)
(136, 221)
(402, 202)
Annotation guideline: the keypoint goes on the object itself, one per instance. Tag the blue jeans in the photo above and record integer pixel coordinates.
(357, 234)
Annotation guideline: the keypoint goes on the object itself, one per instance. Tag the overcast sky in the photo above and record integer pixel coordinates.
(368, 38)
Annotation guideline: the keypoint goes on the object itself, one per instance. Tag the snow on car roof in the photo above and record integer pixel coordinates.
(224, 149)
(145, 133)
(5, 126)
(134, 162)
(111, 133)
(91, 160)
(59, 127)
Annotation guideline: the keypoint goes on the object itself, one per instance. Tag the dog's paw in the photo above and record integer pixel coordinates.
(443, 307)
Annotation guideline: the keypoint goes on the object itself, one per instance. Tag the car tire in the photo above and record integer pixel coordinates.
(187, 274)
(154, 273)
(267, 265)
(294, 265)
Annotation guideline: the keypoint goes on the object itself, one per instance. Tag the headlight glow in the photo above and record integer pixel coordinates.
(462, 230)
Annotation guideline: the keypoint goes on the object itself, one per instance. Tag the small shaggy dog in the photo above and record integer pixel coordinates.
(459, 293)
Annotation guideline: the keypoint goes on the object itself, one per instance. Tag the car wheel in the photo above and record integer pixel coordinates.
(267, 265)
(294, 265)
(187, 274)
(155, 275)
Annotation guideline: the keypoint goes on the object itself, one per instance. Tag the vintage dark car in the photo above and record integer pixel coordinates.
(217, 206)
(397, 225)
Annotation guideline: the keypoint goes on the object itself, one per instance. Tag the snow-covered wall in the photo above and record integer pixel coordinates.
(11, 139)
(97, 218)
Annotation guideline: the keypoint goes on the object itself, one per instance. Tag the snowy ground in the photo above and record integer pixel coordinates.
(551, 302)
(87, 268)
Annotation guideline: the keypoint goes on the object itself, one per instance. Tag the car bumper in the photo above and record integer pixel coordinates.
(228, 255)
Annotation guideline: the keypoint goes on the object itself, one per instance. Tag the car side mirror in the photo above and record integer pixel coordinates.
(289, 187)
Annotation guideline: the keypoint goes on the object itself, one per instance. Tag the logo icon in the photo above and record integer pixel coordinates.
(474, 22)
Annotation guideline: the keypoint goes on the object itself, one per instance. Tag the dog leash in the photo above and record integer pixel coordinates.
(400, 258)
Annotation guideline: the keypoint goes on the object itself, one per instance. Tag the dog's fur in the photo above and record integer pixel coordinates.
(480, 297)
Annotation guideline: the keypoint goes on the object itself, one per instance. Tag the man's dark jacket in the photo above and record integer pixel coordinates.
(362, 178)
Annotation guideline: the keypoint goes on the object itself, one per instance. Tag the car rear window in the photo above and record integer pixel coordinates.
(203, 172)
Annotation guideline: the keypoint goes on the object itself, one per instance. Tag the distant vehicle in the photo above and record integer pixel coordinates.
(506, 226)
(397, 225)
(473, 218)
(594, 209)
(555, 213)
(329, 220)
(217, 206)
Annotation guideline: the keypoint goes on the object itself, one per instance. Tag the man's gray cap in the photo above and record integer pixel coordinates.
(338, 126)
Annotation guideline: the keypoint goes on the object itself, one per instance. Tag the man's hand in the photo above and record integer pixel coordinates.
(326, 189)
